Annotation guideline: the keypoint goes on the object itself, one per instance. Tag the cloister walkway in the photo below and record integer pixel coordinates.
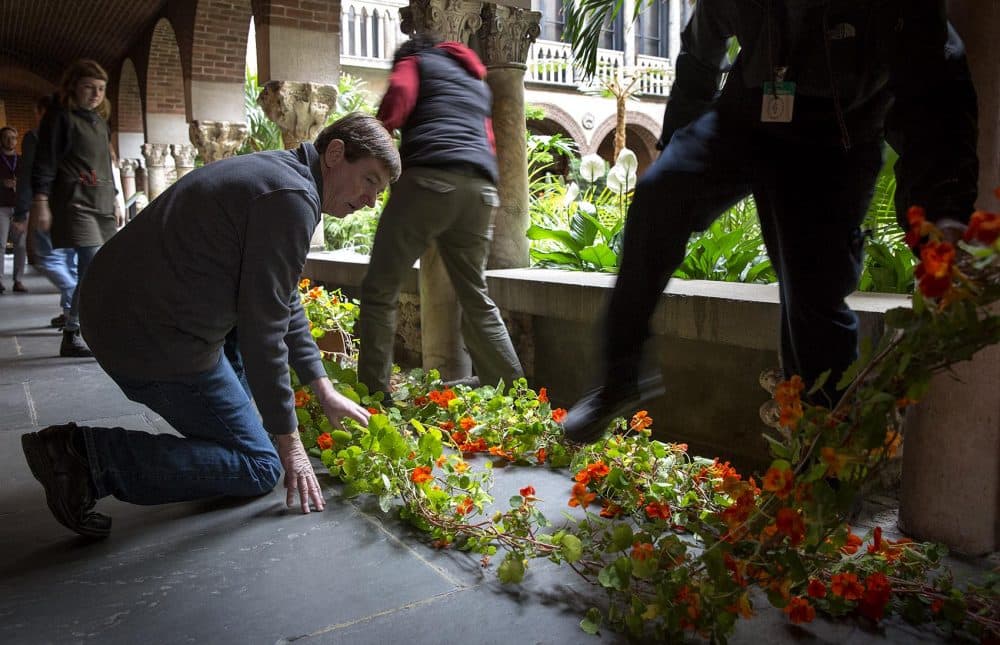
(248, 572)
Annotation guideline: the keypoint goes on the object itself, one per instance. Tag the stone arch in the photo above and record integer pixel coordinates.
(558, 121)
(219, 36)
(166, 108)
(127, 115)
(641, 134)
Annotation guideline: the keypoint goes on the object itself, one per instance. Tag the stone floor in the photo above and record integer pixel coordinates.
(224, 571)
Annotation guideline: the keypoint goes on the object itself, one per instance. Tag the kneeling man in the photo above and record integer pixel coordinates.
(193, 310)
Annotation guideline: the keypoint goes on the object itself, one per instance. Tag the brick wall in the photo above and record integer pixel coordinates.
(220, 40)
(20, 113)
(164, 78)
(314, 15)
(129, 108)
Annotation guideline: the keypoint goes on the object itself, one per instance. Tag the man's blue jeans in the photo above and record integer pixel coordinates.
(59, 266)
(225, 449)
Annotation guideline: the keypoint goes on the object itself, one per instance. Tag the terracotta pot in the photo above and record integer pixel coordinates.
(334, 342)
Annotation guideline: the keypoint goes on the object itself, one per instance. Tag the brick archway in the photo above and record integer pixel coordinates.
(166, 107)
(559, 120)
(641, 134)
(127, 115)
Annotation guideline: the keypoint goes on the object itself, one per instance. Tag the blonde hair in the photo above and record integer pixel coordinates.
(83, 68)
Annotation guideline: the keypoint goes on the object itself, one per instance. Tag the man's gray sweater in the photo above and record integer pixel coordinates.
(222, 248)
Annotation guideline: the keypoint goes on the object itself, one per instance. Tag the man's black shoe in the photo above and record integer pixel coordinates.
(65, 475)
(73, 346)
(58, 322)
(588, 419)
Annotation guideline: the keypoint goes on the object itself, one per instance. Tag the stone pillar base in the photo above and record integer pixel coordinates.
(951, 459)
(440, 320)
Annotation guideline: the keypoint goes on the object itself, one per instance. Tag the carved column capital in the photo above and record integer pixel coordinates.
(155, 154)
(127, 167)
(507, 34)
(217, 139)
(299, 109)
(454, 20)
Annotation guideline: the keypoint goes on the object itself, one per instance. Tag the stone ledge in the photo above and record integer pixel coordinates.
(742, 315)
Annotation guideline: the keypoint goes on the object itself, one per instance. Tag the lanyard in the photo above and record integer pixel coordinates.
(11, 162)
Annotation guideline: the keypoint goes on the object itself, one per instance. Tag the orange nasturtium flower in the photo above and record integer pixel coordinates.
(852, 544)
(779, 482)
(324, 441)
(878, 590)
(528, 492)
(816, 589)
(543, 395)
(983, 227)
(441, 397)
(581, 496)
(421, 474)
(541, 455)
(461, 467)
(916, 217)
(611, 509)
(559, 415)
(315, 293)
(464, 506)
(834, 460)
(467, 423)
(658, 510)
(642, 551)
(846, 586)
(800, 610)
(790, 523)
(301, 398)
(933, 274)
(641, 421)
(304, 283)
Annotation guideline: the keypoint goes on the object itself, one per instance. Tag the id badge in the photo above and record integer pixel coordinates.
(778, 102)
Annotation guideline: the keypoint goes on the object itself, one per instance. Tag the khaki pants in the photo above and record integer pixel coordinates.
(454, 210)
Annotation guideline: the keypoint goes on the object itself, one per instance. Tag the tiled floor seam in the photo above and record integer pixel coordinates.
(386, 612)
(32, 412)
(441, 572)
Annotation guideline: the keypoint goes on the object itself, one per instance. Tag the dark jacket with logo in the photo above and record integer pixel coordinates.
(442, 107)
(863, 69)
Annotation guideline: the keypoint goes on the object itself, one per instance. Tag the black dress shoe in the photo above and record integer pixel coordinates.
(588, 419)
(58, 322)
(65, 475)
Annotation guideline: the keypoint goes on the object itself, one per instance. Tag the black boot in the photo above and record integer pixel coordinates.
(73, 345)
(588, 419)
(65, 474)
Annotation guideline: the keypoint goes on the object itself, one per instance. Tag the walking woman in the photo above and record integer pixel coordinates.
(74, 191)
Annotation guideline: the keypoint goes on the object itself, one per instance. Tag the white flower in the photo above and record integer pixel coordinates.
(627, 160)
(572, 192)
(620, 180)
(586, 207)
(592, 168)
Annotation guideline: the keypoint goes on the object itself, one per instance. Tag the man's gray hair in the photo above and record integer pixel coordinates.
(363, 136)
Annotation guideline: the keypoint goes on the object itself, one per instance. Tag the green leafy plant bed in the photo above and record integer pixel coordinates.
(680, 542)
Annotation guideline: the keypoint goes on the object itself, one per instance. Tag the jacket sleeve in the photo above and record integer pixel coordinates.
(698, 68)
(933, 121)
(401, 97)
(53, 144)
(28, 147)
(276, 242)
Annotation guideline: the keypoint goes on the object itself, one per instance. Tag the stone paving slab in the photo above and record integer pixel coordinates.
(251, 571)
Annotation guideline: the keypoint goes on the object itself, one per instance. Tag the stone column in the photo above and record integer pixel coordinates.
(505, 36)
(127, 168)
(440, 315)
(951, 455)
(674, 27)
(299, 109)
(217, 140)
(184, 154)
(155, 155)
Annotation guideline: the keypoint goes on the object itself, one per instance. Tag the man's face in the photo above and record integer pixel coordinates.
(350, 185)
(9, 140)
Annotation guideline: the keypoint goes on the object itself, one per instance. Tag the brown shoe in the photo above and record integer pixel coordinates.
(19, 287)
(65, 475)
